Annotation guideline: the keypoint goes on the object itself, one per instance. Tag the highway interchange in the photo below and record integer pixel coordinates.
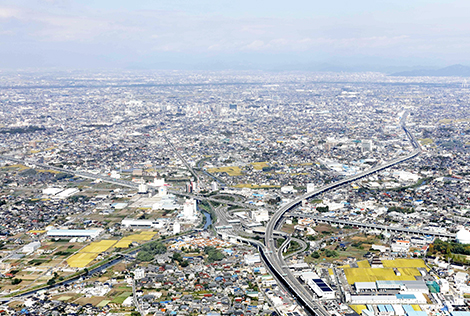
(272, 257)
(269, 253)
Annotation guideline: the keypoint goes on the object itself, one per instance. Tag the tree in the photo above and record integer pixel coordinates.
(177, 256)
(323, 209)
(315, 255)
(213, 254)
(150, 250)
(16, 281)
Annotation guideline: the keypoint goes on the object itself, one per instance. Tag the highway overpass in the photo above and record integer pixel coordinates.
(330, 220)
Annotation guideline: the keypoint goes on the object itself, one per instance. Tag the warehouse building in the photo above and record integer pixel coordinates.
(383, 286)
(415, 298)
(31, 247)
(66, 233)
(141, 223)
(317, 285)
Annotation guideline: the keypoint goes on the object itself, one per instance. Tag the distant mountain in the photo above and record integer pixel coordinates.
(451, 71)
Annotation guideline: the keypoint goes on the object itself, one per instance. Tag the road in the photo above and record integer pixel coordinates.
(33, 164)
(136, 301)
(303, 247)
(190, 169)
(374, 226)
(275, 263)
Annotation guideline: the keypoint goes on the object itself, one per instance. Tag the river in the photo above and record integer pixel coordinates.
(208, 220)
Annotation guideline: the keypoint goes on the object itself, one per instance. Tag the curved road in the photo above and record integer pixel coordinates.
(273, 260)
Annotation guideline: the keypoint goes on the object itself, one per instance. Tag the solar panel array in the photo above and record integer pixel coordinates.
(322, 285)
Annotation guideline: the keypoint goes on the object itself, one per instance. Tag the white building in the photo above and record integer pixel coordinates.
(176, 227)
(141, 223)
(460, 278)
(463, 236)
(260, 215)
(88, 233)
(159, 182)
(143, 188)
(317, 285)
(310, 187)
(139, 273)
(444, 285)
(288, 189)
(214, 186)
(162, 191)
(31, 247)
(52, 191)
(252, 259)
(189, 210)
(115, 175)
(128, 302)
(401, 246)
(66, 193)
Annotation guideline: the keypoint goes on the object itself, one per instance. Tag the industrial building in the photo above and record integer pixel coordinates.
(382, 286)
(402, 299)
(66, 233)
(141, 223)
(31, 247)
(317, 285)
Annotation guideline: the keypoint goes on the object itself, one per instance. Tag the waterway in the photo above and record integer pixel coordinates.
(208, 219)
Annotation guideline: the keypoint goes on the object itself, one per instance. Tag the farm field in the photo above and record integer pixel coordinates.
(231, 171)
(81, 259)
(126, 241)
(379, 274)
(404, 263)
(98, 246)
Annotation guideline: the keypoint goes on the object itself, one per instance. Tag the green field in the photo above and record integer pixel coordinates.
(121, 297)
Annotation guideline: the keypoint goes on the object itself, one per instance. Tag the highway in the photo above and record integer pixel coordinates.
(269, 253)
(123, 183)
(303, 247)
(330, 220)
(196, 176)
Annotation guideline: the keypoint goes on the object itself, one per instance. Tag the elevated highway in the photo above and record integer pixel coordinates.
(329, 220)
(123, 183)
(270, 255)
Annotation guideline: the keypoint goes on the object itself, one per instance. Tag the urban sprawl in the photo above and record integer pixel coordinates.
(234, 193)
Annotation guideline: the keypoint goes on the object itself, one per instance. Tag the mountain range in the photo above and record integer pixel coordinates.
(450, 71)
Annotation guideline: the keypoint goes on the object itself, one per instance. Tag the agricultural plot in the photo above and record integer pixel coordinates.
(259, 165)
(363, 264)
(404, 263)
(81, 259)
(89, 253)
(231, 171)
(379, 274)
(126, 241)
(99, 246)
(121, 297)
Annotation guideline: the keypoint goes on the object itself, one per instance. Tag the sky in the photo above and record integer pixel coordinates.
(241, 34)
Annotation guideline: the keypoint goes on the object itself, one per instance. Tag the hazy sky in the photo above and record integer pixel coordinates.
(230, 34)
